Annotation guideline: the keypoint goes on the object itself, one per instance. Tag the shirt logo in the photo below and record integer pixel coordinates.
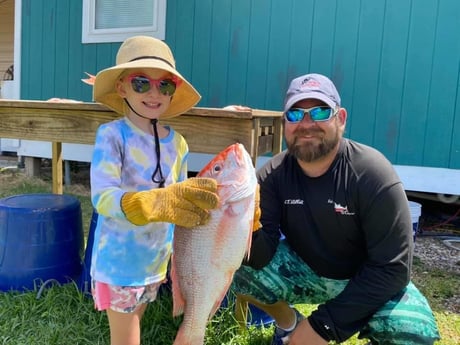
(338, 208)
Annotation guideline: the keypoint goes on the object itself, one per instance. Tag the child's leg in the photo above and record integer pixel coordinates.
(125, 327)
(125, 306)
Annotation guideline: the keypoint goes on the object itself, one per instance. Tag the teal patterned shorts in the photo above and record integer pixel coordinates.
(406, 319)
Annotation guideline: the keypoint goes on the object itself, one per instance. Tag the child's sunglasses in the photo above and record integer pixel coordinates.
(317, 114)
(142, 83)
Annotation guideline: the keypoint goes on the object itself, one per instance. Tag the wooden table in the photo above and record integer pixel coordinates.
(207, 130)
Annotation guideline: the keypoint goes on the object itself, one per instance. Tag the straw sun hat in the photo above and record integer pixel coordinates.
(143, 52)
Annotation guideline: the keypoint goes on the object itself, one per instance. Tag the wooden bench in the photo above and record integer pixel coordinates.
(207, 130)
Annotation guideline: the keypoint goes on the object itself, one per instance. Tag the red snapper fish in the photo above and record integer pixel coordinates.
(206, 257)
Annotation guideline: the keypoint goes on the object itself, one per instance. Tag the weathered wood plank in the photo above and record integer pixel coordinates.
(207, 130)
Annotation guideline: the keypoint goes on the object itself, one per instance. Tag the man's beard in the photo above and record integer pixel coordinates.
(308, 151)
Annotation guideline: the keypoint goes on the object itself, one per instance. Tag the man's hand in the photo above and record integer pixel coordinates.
(256, 220)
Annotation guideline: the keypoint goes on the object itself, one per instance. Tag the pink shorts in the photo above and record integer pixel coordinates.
(123, 299)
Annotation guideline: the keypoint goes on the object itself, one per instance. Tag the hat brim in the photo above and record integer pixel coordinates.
(104, 91)
(309, 95)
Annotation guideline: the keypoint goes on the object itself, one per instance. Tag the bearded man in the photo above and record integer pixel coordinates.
(336, 231)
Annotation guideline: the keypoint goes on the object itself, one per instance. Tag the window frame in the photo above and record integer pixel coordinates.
(92, 35)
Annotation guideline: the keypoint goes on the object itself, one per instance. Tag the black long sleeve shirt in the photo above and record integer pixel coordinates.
(353, 222)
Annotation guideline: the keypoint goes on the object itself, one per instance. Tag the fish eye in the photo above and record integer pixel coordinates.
(217, 168)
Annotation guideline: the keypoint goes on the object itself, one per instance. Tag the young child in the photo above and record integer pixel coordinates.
(138, 182)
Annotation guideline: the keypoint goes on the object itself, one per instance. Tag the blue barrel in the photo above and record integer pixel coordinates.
(41, 238)
(258, 317)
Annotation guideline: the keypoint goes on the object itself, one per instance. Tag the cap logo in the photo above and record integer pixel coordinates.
(312, 86)
(308, 82)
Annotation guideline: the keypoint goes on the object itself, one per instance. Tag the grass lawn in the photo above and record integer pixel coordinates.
(61, 314)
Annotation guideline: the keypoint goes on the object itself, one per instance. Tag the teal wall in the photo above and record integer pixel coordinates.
(396, 63)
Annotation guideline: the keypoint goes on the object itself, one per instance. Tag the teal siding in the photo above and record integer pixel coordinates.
(396, 63)
(444, 93)
(366, 75)
(418, 81)
(389, 97)
(256, 80)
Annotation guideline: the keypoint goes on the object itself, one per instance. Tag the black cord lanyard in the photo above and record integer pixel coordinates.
(161, 181)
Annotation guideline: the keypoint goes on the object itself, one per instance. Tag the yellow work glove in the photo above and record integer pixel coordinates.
(256, 221)
(184, 203)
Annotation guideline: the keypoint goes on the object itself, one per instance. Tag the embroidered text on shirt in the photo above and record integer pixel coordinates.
(293, 202)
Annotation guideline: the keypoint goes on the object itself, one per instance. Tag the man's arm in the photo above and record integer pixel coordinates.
(388, 231)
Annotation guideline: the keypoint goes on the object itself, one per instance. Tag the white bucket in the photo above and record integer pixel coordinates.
(415, 213)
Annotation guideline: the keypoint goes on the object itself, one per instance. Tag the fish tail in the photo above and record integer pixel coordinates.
(184, 338)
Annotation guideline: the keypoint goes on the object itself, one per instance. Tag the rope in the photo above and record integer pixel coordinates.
(42, 288)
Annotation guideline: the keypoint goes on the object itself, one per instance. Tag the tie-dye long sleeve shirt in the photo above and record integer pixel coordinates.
(124, 160)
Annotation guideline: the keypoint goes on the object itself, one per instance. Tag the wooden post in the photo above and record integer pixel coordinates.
(32, 166)
(254, 140)
(277, 135)
(56, 160)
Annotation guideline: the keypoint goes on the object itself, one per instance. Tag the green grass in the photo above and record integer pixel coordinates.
(437, 285)
(62, 315)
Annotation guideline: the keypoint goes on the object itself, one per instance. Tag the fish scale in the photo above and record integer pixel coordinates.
(206, 257)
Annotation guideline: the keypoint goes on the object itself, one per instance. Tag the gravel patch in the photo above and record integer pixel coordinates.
(441, 252)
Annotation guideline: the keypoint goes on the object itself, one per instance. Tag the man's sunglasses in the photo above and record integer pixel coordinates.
(317, 114)
(142, 83)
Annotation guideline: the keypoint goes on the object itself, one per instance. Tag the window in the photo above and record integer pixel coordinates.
(116, 20)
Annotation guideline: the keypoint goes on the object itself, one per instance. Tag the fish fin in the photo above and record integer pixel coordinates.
(218, 303)
(178, 298)
(234, 190)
